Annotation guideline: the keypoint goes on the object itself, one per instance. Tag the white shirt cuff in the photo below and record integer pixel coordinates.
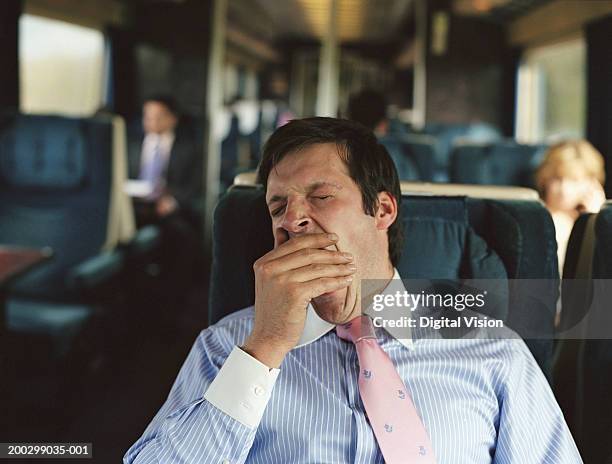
(242, 388)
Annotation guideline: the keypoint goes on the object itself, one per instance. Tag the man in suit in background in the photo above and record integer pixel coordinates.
(167, 157)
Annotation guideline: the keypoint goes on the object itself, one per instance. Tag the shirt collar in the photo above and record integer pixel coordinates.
(165, 139)
(315, 327)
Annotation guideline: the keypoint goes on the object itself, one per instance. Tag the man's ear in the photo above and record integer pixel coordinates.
(386, 213)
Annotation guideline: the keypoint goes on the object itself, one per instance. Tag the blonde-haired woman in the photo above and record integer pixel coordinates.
(570, 181)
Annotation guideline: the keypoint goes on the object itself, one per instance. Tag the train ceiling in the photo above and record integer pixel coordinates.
(358, 20)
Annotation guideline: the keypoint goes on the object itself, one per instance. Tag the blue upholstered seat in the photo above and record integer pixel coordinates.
(602, 259)
(406, 166)
(583, 367)
(421, 150)
(448, 135)
(56, 176)
(446, 238)
(501, 163)
(55, 181)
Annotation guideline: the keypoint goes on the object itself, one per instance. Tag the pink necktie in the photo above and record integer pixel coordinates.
(401, 435)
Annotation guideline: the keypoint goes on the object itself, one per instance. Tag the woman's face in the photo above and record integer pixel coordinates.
(566, 191)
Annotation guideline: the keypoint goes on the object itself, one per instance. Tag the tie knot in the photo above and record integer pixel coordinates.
(356, 329)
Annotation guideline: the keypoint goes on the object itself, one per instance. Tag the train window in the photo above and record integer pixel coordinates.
(552, 92)
(61, 67)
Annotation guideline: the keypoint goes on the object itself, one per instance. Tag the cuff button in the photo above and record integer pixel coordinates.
(259, 390)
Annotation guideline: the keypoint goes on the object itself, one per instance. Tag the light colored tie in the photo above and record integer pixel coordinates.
(399, 431)
(152, 169)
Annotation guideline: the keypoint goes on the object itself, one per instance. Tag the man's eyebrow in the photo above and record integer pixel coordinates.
(310, 188)
(315, 185)
(275, 198)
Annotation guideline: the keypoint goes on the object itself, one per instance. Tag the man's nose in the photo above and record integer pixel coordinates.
(297, 218)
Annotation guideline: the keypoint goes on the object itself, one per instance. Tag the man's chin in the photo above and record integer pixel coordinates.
(331, 306)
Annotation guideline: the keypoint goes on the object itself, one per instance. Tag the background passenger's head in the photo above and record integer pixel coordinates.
(369, 108)
(571, 170)
(331, 175)
(159, 114)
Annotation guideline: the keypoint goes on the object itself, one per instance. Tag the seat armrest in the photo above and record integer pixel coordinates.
(145, 240)
(101, 268)
(96, 270)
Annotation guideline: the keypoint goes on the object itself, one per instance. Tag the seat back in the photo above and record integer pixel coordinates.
(596, 358)
(589, 256)
(448, 135)
(492, 192)
(405, 166)
(580, 248)
(421, 150)
(446, 238)
(602, 260)
(468, 164)
(56, 184)
(501, 163)
(586, 363)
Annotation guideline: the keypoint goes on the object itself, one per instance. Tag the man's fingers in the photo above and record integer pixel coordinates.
(317, 271)
(306, 257)
(318, 287)
(299, 243)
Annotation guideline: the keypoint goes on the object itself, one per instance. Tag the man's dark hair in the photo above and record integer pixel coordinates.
(166, 100)
(368, 162)
(367, 107)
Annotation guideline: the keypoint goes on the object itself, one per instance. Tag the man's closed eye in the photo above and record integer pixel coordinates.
(277, 211)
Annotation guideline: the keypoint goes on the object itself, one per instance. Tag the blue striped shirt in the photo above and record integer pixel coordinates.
(481, 400)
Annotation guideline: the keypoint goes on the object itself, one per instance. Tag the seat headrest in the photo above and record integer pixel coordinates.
(439, 243)
(602, 260)
(43, 152)
(445, 238)
(502, 163)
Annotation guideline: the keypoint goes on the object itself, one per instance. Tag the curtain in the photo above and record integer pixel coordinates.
(10, 10)
(122, 97)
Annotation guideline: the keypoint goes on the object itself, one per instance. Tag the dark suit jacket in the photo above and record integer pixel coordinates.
(184, 170)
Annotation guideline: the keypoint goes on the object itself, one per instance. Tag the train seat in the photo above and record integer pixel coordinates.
(583, 364)
(464, 238)
(447, 135)
(421, 150)
(61, 186)
(407, 168)
(500, 163)
(492, 192)
(602, 264)
(246, 179)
